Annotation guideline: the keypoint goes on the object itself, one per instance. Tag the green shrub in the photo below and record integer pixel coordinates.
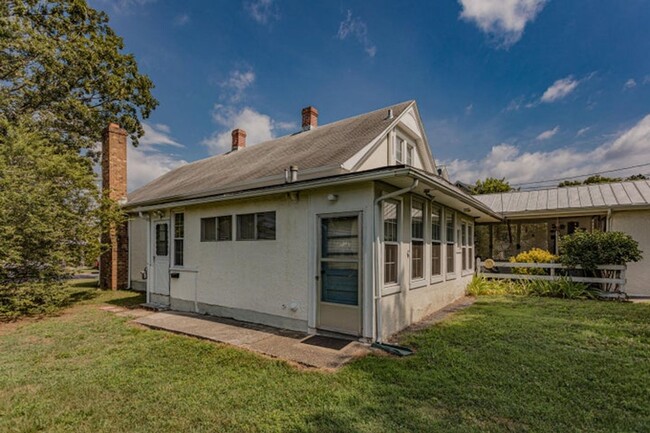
(481, 286)
(535, 255)
(598, 248)
(562, 288)
(32, 299)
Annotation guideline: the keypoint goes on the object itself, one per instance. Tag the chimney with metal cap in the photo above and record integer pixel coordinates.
(309, 118)
(238, 139)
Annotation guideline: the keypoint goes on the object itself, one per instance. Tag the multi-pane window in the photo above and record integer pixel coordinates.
(224, 228)
(436, 240)
(399, 149)
(208, 229)
(179, 238)
(256, 226)
(463, 244)
(391, 246)
(417, 239)
(467, 245)
(450, 239)
(409, 154)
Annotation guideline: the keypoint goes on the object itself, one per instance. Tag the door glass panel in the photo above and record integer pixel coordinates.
(162, 243)
(340, 238)
(339, 260)
(340, 282)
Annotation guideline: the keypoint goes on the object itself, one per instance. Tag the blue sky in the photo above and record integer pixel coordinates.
(526, 89)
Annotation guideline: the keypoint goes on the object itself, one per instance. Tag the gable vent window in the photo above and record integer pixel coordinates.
(256, 226)
(179, 238)
(399, 150)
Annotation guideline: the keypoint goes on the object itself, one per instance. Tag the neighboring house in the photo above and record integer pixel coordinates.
(540, 218)
(345, 228)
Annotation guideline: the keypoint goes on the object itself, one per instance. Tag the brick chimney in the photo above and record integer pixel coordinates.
(238, 139)
(113, 263)
(309, 118)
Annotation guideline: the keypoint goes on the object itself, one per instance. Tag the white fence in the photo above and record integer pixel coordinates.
(615, 273)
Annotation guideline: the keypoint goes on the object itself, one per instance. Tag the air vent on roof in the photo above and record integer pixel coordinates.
(390, 114)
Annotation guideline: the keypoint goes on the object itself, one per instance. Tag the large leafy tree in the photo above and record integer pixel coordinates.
(491, 185)
(62, 67)
(51, 212)
(63, 78)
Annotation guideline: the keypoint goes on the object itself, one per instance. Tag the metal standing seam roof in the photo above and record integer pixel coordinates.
(328, 145)
(604, 195)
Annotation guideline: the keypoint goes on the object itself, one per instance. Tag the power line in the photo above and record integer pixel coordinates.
(581, 175)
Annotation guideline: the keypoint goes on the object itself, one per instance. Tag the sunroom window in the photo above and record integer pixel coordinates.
(436, 240)
(417, 240)
(450, 239)
(391, 245)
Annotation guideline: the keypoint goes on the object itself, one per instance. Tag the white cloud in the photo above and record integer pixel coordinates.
(259, 127)
(181, 20)
(629, 84)
(582, 131)
(469, 109)
(560, 89)
(354, 26)
(147, 162)
(548, 134)
(503, 20)
(262, 11)
(157, 134)
(237, 83)
(629, 148)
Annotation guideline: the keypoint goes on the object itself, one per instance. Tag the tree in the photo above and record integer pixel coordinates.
(51, 212)
(595, 179)
(62, 67)
(637, 177)
(491, 185)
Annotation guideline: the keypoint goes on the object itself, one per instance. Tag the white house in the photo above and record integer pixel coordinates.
(346, 228)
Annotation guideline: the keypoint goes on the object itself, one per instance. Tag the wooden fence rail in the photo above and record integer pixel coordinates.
(618, 280)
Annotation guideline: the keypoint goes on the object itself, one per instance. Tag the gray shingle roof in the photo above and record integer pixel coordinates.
(604, 195)
(326, 146)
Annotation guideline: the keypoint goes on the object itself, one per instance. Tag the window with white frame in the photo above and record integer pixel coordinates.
(179, 238)
(256, 226)
(208, 229)
(399, 150)
(450, 239)
(409, 154)
(417, 239)
(470, 246)
(463, 244)
(224, 228)
(391, 242)
(436, 240)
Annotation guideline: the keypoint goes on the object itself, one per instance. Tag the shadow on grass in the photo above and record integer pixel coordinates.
(130, 299)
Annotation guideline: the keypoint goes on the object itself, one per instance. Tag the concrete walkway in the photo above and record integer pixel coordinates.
(311, 351)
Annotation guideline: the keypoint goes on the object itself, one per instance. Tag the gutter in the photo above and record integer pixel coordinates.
(274, 189)
(376, 274)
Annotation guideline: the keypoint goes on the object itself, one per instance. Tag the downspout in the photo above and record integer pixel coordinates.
(376, 274)
(608, 227)
(149, 252)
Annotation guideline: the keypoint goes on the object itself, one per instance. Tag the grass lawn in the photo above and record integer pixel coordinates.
(504, 364)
